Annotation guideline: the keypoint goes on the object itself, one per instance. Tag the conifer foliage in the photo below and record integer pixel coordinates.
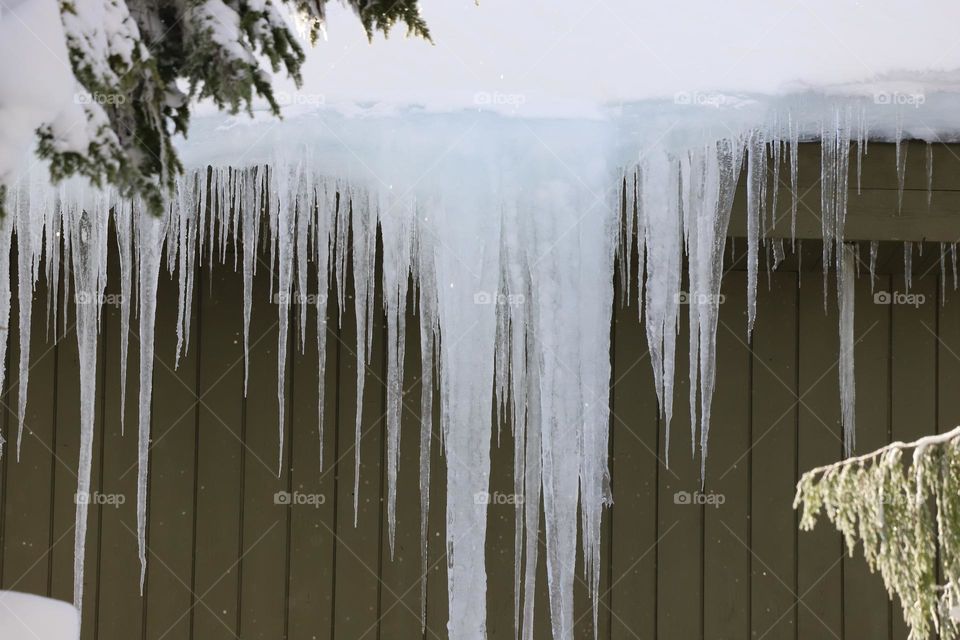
(141, 63)
(905, 510)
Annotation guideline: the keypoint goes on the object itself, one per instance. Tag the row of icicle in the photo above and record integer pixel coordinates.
(530, 327)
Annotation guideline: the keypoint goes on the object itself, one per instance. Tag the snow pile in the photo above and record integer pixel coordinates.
(35, 93)
(29, 617)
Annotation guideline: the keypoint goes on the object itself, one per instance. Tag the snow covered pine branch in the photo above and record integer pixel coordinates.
(108, 84)
(905, 510)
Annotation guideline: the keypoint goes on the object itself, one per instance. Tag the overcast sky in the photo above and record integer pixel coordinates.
(562, 56)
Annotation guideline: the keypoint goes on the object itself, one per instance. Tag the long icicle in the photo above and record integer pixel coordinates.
(88, 230)
(151, 235)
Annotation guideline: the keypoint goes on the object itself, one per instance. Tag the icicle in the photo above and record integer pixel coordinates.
(29, 232)
(794, 189)
(755, 178)
(768, 261)
(860, 151)
(466, 267)
(641, 230)
(428, 338)
(150, 247)
(53, 238)
(595, 270)
(183, 224)
(845, 298)
(719, 168)
(908, 264)
(663, 258)
(953, 256)
(325, 221)
(625, 237)
(363, 223)
(122, 220)
(283, 229)
(250, 211)
(6, 230)
(901, 162)
(943, 273)
(397, 245)
(532, 479)
(518, 379)
(306, 205)
(88, 228)
(874, 246)
(775, 146)
(799, 263)
(692, 187)
(835, 162)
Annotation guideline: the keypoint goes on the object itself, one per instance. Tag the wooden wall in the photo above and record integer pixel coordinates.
(225, 561)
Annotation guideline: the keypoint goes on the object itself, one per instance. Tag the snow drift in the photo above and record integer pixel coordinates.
(28, 617)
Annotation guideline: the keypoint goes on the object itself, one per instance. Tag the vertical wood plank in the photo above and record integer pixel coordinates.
(219, 491)
(173, 451)
(866, 610)
(312, 541)
(726, 562)
(500, 534)
(542, 624)
(584, 606)
(437, 603)
(120, 607)
(633, 477)
(28, 482)
(819, 552)
(773, 460)
(680, 517)
(400, 571)
(266, 503)
(358, 541)
(948, 359)
(65, 477)
(913, 382)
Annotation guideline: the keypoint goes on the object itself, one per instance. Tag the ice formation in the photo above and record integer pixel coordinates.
(509, 231)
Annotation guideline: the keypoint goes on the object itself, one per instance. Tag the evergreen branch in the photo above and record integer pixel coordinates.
(906, 515)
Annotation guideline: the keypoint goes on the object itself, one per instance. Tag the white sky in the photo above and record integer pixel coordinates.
(540, 56)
